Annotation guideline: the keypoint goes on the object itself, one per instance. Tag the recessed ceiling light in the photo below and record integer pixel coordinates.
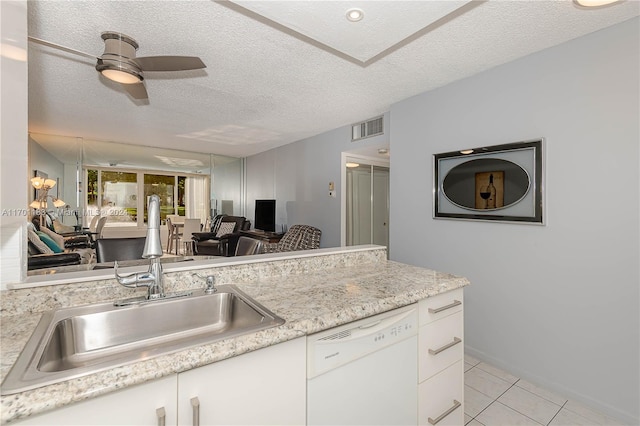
(355, 14)
(466, 151)
(352, 165)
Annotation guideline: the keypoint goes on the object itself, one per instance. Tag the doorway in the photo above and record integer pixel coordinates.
(366, 202)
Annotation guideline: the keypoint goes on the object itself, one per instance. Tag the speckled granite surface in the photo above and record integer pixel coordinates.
(310, 293)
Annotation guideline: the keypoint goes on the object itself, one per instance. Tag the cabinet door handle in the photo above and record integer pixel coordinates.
(456, 340)
(195, 404)
(162, 416)
(456, 404)
(444, 308)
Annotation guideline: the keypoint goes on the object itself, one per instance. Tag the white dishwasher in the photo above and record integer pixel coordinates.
(365, 372)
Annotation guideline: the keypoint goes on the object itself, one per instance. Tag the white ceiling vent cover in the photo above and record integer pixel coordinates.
(367, 129)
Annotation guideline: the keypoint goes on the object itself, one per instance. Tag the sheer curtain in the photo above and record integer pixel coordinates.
(196, 194)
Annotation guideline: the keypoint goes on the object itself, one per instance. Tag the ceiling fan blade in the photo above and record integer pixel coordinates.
(136, 91)
(60, 47)
(169, 63)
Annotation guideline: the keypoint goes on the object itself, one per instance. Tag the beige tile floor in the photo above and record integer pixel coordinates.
(493, 397)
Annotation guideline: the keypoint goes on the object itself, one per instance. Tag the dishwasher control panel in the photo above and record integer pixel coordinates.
(340, 345)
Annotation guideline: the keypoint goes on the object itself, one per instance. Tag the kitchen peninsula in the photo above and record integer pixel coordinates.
(313, 291)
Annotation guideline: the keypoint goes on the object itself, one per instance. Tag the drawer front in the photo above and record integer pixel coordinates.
(440, 306)
(441, 398)
(440, 345)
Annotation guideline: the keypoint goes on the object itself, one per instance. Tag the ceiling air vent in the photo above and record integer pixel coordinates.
(367, 129)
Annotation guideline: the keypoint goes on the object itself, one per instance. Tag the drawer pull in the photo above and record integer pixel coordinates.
(444, 308)
(456, 340)
(195, 404)
(162, 416)
(456, 404)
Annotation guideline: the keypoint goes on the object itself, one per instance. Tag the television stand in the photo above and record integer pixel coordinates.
(265, 236)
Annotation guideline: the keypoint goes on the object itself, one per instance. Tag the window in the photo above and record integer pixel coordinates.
(164, 187)
(119, 195)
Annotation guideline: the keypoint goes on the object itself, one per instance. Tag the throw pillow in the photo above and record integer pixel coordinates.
(61, 228)
(36, 241)
(225, 228)
(49, 242)
(59, 239)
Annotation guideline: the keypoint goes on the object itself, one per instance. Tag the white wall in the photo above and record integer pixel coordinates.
(13, 142)
(298, 175)
(227, 184)
(555, 304)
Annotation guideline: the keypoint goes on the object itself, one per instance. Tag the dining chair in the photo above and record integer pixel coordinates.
(110, 249)
(93, 223)
(170, 218)
(191, 226)
(97, 234)
(248, 246)
(100, 226)
(174, 233)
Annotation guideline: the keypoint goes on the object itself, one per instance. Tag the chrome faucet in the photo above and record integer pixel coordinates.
(152, 279)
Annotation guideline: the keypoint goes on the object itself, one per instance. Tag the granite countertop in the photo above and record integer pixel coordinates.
(309, 302)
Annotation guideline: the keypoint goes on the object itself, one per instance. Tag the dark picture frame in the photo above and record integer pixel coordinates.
(500, 183)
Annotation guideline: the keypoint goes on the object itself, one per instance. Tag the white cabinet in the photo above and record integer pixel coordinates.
(262, 387)
(137, 405)
(440, 360)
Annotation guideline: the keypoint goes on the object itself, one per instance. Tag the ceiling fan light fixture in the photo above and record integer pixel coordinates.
(121, 75)
(595, 3)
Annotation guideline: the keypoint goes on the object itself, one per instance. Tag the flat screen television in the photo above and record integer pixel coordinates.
(265, 215)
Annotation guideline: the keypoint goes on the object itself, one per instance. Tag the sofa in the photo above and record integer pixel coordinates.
(49, 249)
(222, 238)
(72, 239)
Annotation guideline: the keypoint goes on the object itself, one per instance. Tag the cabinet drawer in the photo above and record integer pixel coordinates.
(440, 345)
(440, 306)
(441, 398)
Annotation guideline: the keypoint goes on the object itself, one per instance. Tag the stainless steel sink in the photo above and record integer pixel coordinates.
(73, 342)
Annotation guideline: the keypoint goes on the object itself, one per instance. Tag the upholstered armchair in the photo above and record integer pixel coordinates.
(298, 237)
(223, 238)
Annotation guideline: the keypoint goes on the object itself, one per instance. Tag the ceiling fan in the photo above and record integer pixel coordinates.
(120, 64)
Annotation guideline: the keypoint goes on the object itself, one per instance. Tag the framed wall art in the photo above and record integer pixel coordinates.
(493, 183)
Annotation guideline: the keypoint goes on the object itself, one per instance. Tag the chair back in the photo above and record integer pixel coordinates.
(93, 223)
(191, 226)
(207, 224)
(110, 249)
(299, 237)
(248, 246)
(239, 222)
(173, 217)
(100, 226)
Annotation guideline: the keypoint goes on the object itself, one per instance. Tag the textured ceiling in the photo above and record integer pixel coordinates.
(277, 79)
(380, 32)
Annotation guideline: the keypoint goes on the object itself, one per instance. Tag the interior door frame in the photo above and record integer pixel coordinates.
(346, 157)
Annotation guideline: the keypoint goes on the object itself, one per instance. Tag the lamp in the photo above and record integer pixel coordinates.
(43, 186)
